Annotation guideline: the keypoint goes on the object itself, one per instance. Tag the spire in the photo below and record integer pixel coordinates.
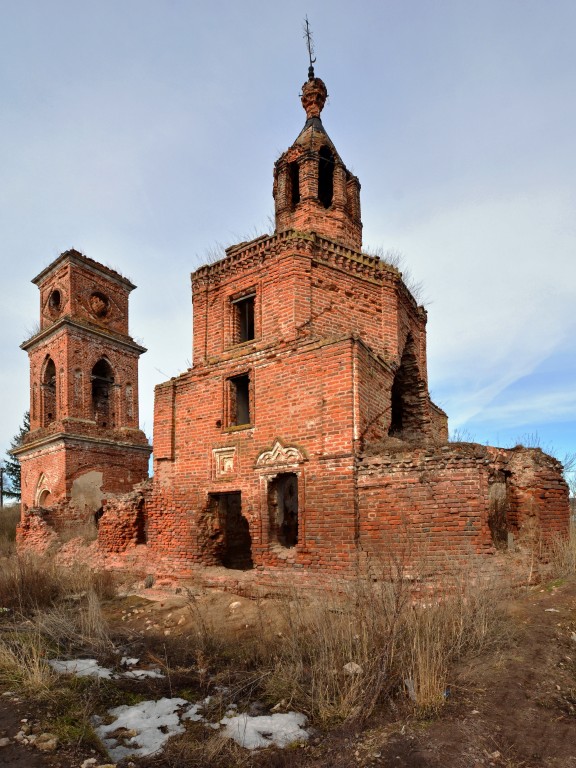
(314, 93)
(313, 190)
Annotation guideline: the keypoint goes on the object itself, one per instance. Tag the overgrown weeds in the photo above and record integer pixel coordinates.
(562, 555)
(337, 659)
(28, 583)
(9, 519)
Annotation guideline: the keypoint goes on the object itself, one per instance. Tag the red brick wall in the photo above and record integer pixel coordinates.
(306, 287)
(302, 395)
(435, 503)
(77, 277)
(123, 465)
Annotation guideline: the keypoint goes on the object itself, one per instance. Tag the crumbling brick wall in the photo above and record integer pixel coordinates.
(458, 500)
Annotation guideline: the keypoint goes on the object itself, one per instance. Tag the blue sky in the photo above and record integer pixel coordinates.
(142, 132)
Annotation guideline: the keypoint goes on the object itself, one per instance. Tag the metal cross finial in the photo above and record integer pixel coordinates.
(310, 46)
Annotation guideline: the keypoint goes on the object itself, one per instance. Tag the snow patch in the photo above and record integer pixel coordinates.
(80, 668)
(265, 730)
(147, 725)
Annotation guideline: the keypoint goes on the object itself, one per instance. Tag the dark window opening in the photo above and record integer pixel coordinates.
(244, 319)
(294, 170)
(325, 177)
(283, 509)
(240, 400)
(54, 301)
(141, 536)
(97, 515)
(408, 391)
(498, 506)
(49, 393)
(102, 383)
(232, 540)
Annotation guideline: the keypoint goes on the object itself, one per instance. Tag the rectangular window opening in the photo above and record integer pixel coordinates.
(244, 319)
(240, 400)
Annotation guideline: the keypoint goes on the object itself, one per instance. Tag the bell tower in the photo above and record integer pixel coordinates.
(84, 438)
(313, 189)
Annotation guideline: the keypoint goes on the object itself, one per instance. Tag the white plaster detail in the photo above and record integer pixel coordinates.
(280, 454)
(87, 491)
(224, 461)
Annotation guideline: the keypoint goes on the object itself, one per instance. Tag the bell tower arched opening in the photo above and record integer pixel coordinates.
(48, 393)
(102, 383)
(325, 176)
(294, 177)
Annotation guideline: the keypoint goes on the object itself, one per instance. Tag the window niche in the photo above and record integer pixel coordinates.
(239, 406)
(283, 509)
(243, 327)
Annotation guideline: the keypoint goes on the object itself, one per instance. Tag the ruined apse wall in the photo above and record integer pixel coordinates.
(449, 503)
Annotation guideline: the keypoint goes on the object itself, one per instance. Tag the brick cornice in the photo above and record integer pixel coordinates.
(75, 257)
(66, 437)
(245, 255)
(108, 336)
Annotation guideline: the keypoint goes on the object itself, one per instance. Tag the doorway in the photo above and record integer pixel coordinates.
(234, 544)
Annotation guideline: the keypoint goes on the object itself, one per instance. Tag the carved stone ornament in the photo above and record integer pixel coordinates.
(224, 461)
(279, 454)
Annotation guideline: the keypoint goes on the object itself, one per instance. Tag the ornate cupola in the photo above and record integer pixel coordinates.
(313, 189)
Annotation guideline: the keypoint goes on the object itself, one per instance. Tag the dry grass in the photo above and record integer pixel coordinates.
(561, 555)
(76, 625)
(9, 519)
(23, 662)
(28, 583)
(338, 658)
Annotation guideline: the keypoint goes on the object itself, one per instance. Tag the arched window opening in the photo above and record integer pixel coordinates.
(102, 383)
(326, 177)
(498, 509)
(283, 509)
(407, 418)
(49, 393)
(294, 175)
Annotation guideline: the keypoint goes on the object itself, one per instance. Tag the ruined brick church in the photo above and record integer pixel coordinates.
(303, 437)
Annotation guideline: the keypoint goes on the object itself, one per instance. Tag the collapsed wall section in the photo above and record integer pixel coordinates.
(458, 500)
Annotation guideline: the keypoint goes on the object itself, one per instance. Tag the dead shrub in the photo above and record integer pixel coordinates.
(76, 625)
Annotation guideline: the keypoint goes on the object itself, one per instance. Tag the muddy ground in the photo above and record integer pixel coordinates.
(515, 707)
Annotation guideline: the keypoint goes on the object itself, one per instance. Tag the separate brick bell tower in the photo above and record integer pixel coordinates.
(84, 440)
